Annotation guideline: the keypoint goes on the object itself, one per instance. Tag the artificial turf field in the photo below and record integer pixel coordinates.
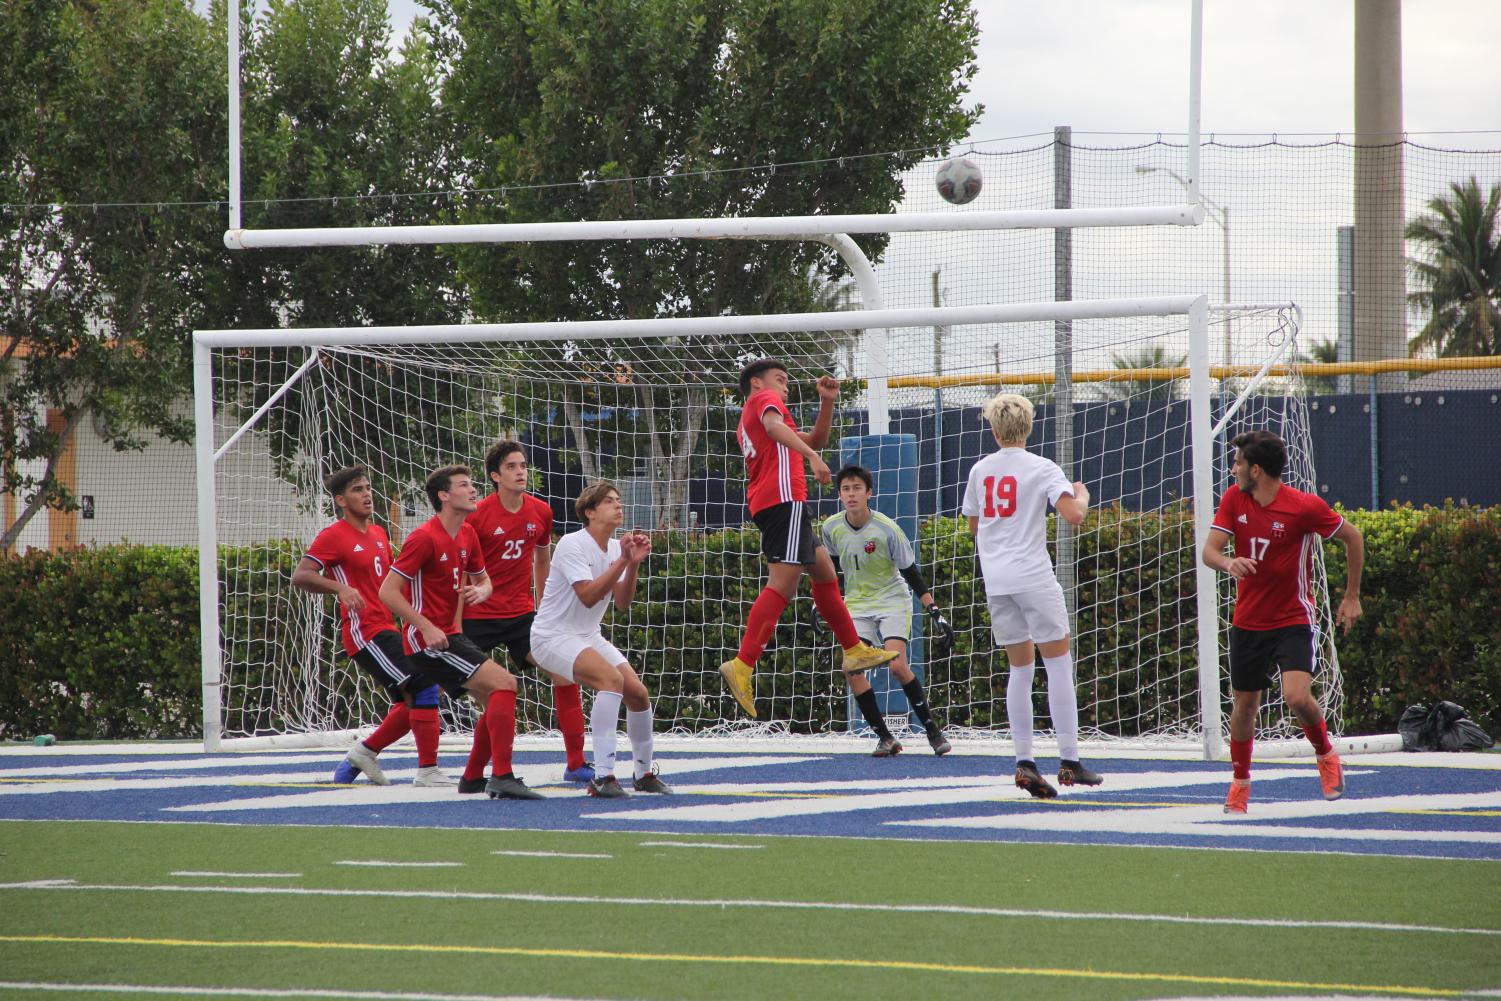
(930, 879)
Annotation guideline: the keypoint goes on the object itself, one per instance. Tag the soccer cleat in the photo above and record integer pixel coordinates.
(431, 776)
(862, 657)
(938, 742)
(1238, 797)
(607, 787)
(510, 787)
(585, 773)
(345, 773)
(738, 677)
(1331, 775)
(1030, 779)
(362, 758)
(651, 782)
(1074, 773)
(468, 787)
(889, 747)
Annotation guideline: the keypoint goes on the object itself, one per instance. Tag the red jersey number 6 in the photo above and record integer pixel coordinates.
(1000, 497)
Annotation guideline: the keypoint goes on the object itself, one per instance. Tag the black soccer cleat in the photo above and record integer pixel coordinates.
(938, 742)
(510, 787)
(889, 747)
(1028, 778)
(607, 787)
(468, 787)
(1074, 773)
(652, 782)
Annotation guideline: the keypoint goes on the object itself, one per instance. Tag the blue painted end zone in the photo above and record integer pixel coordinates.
(1394, 805)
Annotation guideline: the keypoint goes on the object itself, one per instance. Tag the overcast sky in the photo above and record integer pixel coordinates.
(1269, 65)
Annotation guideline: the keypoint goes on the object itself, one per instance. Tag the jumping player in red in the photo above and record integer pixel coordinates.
(515, 532)
(349, 559)
(1272, 631)
(775, 452)
(435, 561)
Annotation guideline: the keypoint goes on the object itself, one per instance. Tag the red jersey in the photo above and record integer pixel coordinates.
(509, 543)
(1279, 537)
(435, 563)
(775, 471)
(360, 560)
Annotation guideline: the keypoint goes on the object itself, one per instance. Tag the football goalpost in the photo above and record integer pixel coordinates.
(649, 403)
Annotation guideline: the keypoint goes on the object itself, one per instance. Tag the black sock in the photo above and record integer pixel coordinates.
(918, 700)
(866, 700)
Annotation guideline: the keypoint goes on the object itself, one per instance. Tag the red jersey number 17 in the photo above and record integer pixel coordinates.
(1000, 497)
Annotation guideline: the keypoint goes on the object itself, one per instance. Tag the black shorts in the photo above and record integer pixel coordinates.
(787, 534)
(386, 662)
(452, 668)
(515, 634)
(1258, 654)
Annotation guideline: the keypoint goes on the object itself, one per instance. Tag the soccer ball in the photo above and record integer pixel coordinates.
(959, 180)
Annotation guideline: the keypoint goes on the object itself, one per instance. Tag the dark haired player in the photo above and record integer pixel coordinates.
(775, 456)
(1271, 634)
(515, 533)
(436, 560)
(349, 559)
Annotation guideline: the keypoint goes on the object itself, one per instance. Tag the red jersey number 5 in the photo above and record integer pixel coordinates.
(1000, 497)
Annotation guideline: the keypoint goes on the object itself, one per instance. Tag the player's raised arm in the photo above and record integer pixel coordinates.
(778, 431)
(1072, 507)
(828, 394)
(635, 548)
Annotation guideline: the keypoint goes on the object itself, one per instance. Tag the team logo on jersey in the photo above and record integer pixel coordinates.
(1278, 530)
(359, 548)
(870, 546)
(531, 529)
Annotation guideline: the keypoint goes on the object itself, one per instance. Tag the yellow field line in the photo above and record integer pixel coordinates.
(674, 957)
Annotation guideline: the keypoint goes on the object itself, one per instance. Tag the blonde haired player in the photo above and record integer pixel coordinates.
(1006, 501)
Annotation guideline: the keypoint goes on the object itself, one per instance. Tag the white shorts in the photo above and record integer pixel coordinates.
(877, 629)
(1040, 616)
(557, 652)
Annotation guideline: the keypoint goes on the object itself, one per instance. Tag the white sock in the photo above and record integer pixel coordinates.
(638, 729)
(1063, 703)
(604, 717)
(1019, 710)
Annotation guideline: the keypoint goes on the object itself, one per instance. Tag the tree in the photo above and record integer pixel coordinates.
(1459, 274)
(1324, 352)
(1156, 388)
(102, 103)
(625, 109)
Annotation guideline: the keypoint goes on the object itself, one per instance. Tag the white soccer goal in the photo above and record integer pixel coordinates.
(650, 404)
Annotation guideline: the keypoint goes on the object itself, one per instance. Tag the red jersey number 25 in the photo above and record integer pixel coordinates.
(1000, 497)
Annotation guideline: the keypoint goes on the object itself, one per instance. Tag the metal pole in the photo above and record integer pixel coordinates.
(1375, 446)
(1063, 356)
(208, 545)
(878, 416)
(232, 16)
(1205, 579)
(938, 332)
(1195, 93)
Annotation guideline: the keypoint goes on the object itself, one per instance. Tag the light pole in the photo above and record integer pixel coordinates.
(1221, 216)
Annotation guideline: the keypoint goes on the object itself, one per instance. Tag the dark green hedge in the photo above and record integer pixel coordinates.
(103, 643)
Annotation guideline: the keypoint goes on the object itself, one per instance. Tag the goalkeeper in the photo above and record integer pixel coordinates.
(878, 565)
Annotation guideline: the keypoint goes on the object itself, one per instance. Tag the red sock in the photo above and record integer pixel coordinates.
(479, 751)
(425, 732)
(1319, 737)
(831, 606)
(570, 709)
(396, 725)
(1240, 759)
(764, 613)
(501, 715)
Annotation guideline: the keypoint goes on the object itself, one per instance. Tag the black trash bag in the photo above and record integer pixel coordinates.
(1445, 727)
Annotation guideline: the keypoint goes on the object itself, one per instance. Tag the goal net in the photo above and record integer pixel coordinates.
(655, 415)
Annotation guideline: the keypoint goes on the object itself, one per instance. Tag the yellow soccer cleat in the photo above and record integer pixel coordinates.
(738, 677)
(862, 657)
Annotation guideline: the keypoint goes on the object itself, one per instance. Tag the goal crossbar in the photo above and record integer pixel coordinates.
(461, 333)
(811, 227)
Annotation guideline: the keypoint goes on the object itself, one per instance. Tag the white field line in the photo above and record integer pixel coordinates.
(553, 854)
(237, 875)
(254, 992)
(692, 844)
(383, 864)
(791, 905)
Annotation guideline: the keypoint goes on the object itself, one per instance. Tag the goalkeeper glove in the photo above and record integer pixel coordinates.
(943, 639)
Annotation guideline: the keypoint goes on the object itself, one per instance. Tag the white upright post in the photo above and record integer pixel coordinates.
(878, 416)
(1195, 95)
(232, 16)
(208, 541)
(1201, 431)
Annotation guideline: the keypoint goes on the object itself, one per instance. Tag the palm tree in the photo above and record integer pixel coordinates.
(1157, 390)
(1460, 273)
(1323, 353)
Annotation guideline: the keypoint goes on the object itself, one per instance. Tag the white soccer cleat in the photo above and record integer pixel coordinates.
(363, 758)
(431, 776)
